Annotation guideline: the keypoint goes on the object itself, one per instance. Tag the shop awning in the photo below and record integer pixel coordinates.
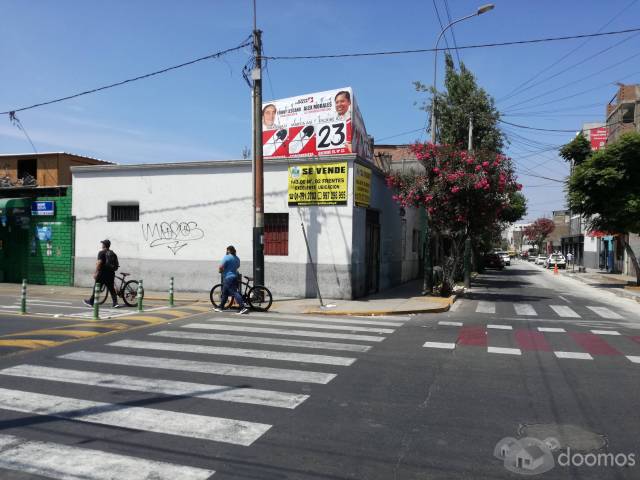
(10, 203)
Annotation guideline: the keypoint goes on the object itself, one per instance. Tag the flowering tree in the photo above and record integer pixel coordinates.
(538, 231)
(464, 194)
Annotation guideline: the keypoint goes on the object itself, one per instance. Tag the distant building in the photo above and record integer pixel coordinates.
(623, 115)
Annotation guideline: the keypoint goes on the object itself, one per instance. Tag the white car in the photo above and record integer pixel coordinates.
(555, 259)
(541, 259)
(506, 259)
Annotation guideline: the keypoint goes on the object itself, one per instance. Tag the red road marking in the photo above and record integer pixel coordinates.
(635, 339)
(593, 344)
(532, 340)
(475, 336)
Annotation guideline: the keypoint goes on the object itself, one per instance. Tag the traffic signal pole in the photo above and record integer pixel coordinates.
(258, 167)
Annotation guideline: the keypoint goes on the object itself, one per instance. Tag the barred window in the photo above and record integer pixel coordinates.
(124, 212)
(276, 234)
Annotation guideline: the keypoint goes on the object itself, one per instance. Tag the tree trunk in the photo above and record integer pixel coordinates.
(634, 260)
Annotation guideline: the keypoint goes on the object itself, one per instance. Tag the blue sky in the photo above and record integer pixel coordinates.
(202, 112)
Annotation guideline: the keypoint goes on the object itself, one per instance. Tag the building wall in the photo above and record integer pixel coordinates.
(53, 169)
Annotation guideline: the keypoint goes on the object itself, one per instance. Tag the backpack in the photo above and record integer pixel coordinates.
(111, 261)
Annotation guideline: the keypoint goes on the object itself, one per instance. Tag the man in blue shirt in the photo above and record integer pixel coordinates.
(229, 270)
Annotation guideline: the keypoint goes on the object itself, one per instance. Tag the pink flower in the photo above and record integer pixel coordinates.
(455, 189)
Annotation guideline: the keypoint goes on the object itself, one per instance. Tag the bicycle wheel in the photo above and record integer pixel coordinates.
(130, 293)
(103, 294)
(259, 298)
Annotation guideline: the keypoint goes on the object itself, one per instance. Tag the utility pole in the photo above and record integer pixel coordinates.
(467, 241)
(258, 167)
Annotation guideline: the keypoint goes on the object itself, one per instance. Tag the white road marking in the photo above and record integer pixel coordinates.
(605, 332)
(500, 327)
(46, 300)
(279, 331)
(505, 351)
(306, 325)
(63, 462)
(564, 311)
(223, 393)
(574, 355)
(451, 324)
(524, 309)
(455, 306)
(217, 429)
(605, 313)
(551, 329)
(236, 352)
(633, 358)
(250, 371)
(486, 307)
(562, 298)
(448, 346)
(285, 342)
(320, 321)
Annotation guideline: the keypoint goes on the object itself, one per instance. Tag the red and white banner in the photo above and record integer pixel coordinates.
(323, 123)
(598, 137)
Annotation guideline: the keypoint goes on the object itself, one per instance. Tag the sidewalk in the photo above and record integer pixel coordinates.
(401, 300)
(619, 284)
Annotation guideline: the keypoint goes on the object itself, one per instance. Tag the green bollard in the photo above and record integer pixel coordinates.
(139, 295)
(96, 301)
(171, 292)
(23, 297)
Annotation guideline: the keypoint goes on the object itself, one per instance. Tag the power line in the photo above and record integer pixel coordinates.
(464, 47)
(453, 34)
(446, 42)
(129, 80)
(516, 89)
(400, 134)
(539, 129)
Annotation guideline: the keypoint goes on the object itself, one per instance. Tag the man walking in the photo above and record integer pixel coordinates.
(105, 273)
(229, 270)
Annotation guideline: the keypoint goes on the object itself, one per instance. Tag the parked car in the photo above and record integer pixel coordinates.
(556, 259)
(505, 257)
(541, 259)
(493, 260)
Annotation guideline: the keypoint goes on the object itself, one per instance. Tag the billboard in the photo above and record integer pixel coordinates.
(316, 124)
(318, 184)
(598, 137)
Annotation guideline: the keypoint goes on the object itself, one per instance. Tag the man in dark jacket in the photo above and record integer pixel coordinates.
(105, 273)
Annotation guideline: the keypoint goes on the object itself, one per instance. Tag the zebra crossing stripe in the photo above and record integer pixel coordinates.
(605, 332)
(63, 462)
(447, 346)
(486, 307)
(605, 313)
(524, 309)
(574, 355)
(384, 323)
(280, 331)
(551, 329)
(564, 311)
(633, 358)
(217, 429)
(212, 368)
(505, 351)
(235, 352)
(452, 324)
(284, 342)
(223, 393)
(308, 325)
(500, 327)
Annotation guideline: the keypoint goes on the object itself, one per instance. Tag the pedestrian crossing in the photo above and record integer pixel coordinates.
(212, 362)
(506, 339)
(559, 311)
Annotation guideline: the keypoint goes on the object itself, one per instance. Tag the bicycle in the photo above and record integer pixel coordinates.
(128, 291)
(258, 297)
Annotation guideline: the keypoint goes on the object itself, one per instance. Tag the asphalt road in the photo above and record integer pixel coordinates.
(267, 396)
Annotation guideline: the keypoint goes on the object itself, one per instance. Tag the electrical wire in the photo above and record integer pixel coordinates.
(435, 7)
(453, 34)
(537, 129)
(129, 80)
(463, 47)
(400, 134)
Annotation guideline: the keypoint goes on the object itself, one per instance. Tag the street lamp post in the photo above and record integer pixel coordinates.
(428, 266)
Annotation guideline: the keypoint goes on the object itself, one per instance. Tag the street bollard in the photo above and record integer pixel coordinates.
(139, 295)
(23, 297)
(96, 301)
(171, 292)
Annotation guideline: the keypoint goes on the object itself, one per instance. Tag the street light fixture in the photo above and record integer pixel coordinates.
(428, 280)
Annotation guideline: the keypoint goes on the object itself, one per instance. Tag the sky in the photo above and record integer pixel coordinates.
(203, 111)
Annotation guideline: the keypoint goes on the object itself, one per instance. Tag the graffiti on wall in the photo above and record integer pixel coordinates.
(174, 235)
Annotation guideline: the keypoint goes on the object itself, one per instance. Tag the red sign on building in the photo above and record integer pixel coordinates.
(598, 137)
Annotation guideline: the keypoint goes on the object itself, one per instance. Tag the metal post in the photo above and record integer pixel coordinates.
(467, 262)
(258, 167)
(171, 292)
(96, 301)
(23, 297)
(139, 295)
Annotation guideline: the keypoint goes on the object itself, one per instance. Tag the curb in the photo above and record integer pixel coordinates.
(615, 291)
(375, 313)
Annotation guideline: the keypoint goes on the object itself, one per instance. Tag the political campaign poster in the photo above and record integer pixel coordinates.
(316, 124)
(318, 184)
(598, 137)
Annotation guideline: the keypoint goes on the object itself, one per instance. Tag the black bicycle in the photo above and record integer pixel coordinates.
(128, 291)
(258, 297)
